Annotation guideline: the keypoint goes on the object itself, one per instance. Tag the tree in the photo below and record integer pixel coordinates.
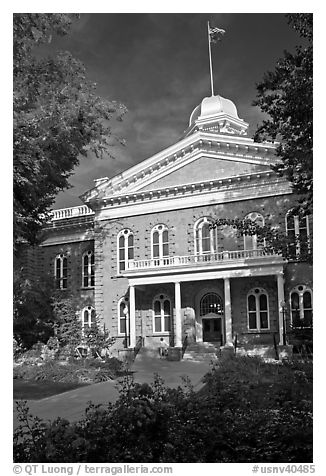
(32, 310)
(57, 119)
(286, 96)
(67, 326)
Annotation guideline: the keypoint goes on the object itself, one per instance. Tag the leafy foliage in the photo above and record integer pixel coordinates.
(285, 94)
(57, 119)
(248, 411)
(75, 371)
(67, 326)
(269, 238)
(33, 313)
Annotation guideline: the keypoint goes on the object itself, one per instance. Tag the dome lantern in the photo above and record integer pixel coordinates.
(217, 114)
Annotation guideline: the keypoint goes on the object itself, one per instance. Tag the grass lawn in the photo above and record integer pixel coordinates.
(36, 390)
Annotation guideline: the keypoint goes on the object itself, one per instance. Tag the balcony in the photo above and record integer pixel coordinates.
(72, 212)
(224, 259)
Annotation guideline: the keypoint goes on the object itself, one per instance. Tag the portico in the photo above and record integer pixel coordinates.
(219, 280)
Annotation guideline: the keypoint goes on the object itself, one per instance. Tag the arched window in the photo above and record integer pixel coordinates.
(301, 306)
(123, 315)
(297, 230)
(250, 241)
(161, 314)
(211, 303)
(160, 242)
(257, 307)
(126, 249)
(205, 236)
(61, 271)
(88, 269)
(88, 317)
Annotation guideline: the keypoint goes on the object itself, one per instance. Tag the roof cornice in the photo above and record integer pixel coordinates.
(237, 147)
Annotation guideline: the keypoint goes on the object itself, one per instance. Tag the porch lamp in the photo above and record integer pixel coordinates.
(283, 306)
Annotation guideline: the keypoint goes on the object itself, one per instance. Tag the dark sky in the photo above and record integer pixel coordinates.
(157, 65)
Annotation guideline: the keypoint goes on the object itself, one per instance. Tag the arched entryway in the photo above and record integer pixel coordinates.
(210, 318)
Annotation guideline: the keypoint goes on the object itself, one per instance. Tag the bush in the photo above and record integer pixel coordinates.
(77, 371)
(231, 420)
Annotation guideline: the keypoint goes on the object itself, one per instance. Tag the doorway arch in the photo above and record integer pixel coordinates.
(209, 317)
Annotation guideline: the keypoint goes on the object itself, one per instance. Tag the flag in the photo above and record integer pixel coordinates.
(215, 34)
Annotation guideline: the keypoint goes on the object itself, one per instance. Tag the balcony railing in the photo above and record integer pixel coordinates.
(72, 212)
(213, 258)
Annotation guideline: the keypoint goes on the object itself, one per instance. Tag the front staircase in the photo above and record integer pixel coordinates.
(202, 351)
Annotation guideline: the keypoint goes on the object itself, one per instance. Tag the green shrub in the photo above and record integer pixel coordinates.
(76, 371)
(244, 419)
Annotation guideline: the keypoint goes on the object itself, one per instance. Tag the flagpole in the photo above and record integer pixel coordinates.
(210, 59)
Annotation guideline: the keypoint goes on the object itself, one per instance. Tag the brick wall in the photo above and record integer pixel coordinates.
(74, 253)
(111, 287)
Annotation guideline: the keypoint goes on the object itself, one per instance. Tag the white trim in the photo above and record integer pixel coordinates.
(89, 309)
(257, 270)
(163, 331)
(199, 318)
(90, 254)
(228, 195)
(63, 241)
(262, 291)
(188, 159)
(160, 243)
(125, 301)
(193, 139)
(198, 228)
(59, 279)
(253, 237)
(126, 247)
(301, 292)
(297, 229)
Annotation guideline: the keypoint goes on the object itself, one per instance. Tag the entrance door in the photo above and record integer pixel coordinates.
(212, 330)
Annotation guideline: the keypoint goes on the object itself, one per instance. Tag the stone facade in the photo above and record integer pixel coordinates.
(207, 175)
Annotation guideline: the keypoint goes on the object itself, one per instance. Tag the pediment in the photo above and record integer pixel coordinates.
(199, 157)
(203, 169)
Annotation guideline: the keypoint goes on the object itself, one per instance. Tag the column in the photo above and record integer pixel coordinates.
(227, 313)
(280, 300)
(132, 316)
(178, 324)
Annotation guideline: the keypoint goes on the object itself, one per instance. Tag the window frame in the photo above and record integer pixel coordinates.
(257, 295)
(61, 280)
(124, 300)
(160, 229)
(162, 299)
(91, 312)
(296, 229)
(253, 238)
(218, 312)
(301, 293)
(125, 233)
(90, 269)
(198, 240)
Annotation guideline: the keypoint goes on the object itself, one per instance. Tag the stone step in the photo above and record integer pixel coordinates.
(202, 351)
(203, 347)
(195, 356)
